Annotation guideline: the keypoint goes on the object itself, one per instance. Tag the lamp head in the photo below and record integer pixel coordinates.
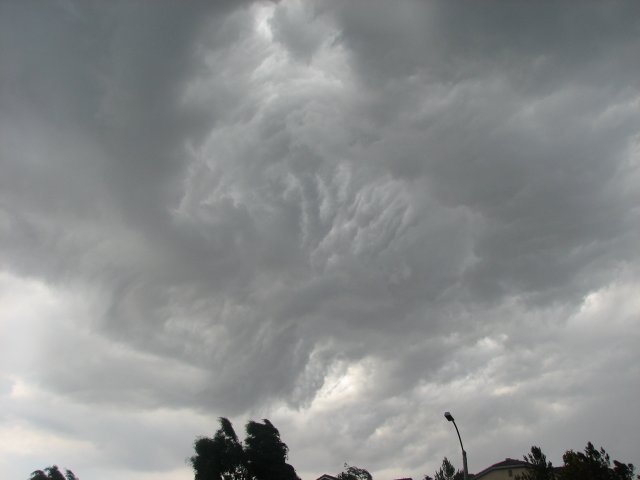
(448, 416)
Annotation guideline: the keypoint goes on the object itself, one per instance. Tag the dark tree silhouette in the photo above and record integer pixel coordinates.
(223, 457)
(38, 475)
(266, 454)
(541, 469)
(448, 472)
(52, 473)
(354, 473)
(220, 457)
(594, 464)
(69, 475)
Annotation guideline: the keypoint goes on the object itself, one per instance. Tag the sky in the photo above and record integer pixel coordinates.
(345, 217)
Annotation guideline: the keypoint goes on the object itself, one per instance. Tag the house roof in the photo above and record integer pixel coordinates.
(506, 463)
(326, 476)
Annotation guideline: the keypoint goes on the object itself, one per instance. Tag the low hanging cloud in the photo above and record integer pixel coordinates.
(347, 217)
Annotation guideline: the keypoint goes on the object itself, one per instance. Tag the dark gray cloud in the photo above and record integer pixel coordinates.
(346, 217)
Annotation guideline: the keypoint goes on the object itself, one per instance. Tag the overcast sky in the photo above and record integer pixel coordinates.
(346, 217)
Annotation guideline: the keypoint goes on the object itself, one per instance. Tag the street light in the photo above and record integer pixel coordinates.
(449, 417)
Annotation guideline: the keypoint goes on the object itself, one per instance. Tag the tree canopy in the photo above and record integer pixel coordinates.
(541, 469)
(52, 473)
(354, 473)
(594, 464)
(223, 457)
(447, 472)
(266, 454)
(220, 457)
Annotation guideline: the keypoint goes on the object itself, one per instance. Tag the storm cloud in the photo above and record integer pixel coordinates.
(347, 217)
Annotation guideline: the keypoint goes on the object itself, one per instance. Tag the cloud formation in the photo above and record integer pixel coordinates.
(347, 217)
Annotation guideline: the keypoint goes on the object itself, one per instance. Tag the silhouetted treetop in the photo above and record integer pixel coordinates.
(266, 453)
(52, 473)
(448, 472)
(594, 464)
(354, 473)
(541, 469)
(262, 456)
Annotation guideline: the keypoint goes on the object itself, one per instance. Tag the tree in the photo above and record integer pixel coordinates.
(220, 457)
(69, 475)
(541, 469)
(266, 453)
(223, 457)
(354, 473)
(448, 472)
(52, 473)
(232, 462)
(594, 464)
(623, 471)
(38, 475)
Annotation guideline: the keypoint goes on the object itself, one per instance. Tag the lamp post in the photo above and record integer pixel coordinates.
(449, 417)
